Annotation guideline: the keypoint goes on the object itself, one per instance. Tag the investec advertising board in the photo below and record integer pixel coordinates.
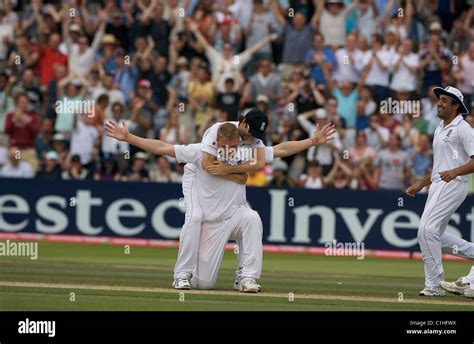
(301, 217)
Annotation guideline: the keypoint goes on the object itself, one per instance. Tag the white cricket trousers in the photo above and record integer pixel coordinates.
(190, 233)
(245, 226)
(443, 200)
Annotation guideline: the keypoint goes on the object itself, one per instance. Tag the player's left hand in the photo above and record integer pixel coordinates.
(218, 169)
(449, 175)
(324, 135)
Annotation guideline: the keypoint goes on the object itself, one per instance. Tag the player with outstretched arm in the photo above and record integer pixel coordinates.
(189, 237)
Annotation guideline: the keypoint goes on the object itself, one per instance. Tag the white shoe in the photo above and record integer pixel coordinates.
(237, 286)
(437, 291)
(456, 287)
(469, 293)
(181, 284)
(248, 285)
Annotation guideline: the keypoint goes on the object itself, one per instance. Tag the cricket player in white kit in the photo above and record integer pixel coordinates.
(190, 234)
(453, 159)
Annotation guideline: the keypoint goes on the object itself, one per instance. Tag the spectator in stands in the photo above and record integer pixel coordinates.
(137, 171)
(429, 109)
(420, 159)
(225, 64)
(405, 68)
(75, 171)
(279, 174)
(201, 95)
(16, 167)
(330, 19)
(378, 63)
(390, 165)
(27, 85)
(84, 141)
(6, 102)
(111, 146)
(313, 178)
(341, 175)
(108, 88)
(463, 73)
(162, 173)
(434, 61)
(49, 56)
(44, 137)
(322, 153)
(296, 36)
(377, 136)
(348, 58)
(108, 169)
(22, 125)
(318, 55)
(361, 151)
(261, 24)
(346, 96)
(229, 100)
(264, 82)
(81, 55)
(59, 143)
(50, 169)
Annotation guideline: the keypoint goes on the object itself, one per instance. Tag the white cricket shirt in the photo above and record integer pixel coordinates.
(453, 146)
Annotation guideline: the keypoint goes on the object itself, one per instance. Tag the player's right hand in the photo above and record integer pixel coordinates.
(119, 133)
(413, 189)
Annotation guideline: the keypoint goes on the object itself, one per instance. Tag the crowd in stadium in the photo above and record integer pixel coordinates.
(172, 68)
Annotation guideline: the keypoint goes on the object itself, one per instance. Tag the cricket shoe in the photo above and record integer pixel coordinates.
(237, 286)
(457, 287)
(248, 285)
(469, 293)
(436, 291)
(181, 284)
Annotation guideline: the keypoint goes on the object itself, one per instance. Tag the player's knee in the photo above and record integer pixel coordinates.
(252, 217)
(196, 219)
(427, 233)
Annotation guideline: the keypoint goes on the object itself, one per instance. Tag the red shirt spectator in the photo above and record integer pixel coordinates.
(49, 57)
(22, 125)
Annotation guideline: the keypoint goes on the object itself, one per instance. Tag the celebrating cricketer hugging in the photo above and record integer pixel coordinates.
(216, 209)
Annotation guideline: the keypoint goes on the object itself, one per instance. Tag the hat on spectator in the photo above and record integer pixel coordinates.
(75, 28)
(109, 39)
(141, 155)
(116, 14)
(262, 98)
(182, 61)
(257, 122)
(52, 155)
(453, 93)
(435, 26)
(76, 158)
(144, 83)
(320, 113)
(59, 137)
(279, 165)
(337, 2)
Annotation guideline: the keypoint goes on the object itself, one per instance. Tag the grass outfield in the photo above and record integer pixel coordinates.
(103, 277)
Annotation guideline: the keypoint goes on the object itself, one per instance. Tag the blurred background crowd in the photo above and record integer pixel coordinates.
(172, 68)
